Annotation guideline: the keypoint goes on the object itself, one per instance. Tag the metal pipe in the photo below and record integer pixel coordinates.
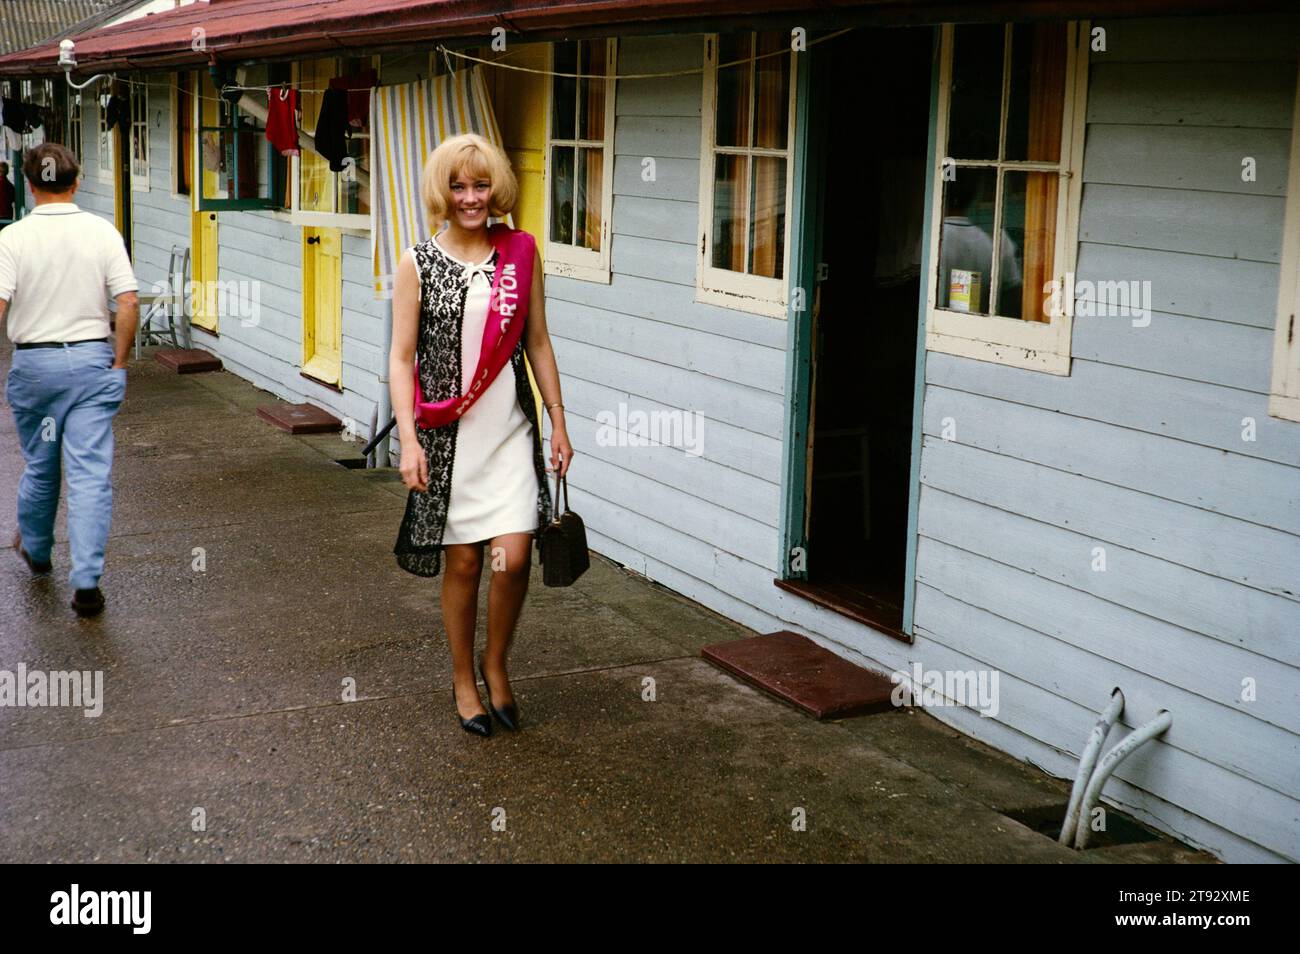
(1139, 737)
(1088, 761)
(385, 410)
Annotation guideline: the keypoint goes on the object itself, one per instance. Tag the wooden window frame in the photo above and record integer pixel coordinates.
(139, 92)
(104, 170)
(740, 291)
(355, 223)
(204, 203)
(76, 131)
(574, 261)
(1019, 343)
(1284, 381)
(174, 136)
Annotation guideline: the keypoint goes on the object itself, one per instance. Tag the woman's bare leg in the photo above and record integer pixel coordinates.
(510, 555)
(462, 568)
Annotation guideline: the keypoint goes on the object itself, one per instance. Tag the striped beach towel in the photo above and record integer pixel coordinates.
(407, 123)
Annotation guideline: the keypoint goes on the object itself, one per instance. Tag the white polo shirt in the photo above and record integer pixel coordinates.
(59, 266)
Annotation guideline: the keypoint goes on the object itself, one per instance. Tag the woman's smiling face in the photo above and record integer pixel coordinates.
(469, 200)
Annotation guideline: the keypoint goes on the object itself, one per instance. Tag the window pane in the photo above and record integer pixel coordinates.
(562, 194)
(213, 161)
(965, 243)
(975, 101)
(591, 93)
(184, 132)
(316, 186)
(1037, 98)
(767, 218)
(589, 180)
(730, 195)
(1029, 230)
(564, 91)
(772, 78)
(733, 89)
(253, 182)
(139, 132)
(353, 195)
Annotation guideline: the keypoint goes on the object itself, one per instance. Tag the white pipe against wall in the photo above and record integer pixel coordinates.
(1088, 761)
(382, 458)
(1139, 737)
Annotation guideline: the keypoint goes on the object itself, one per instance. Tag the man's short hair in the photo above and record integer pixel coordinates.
(51, 167)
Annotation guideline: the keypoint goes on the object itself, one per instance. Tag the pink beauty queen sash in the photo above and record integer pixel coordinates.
(507, 310)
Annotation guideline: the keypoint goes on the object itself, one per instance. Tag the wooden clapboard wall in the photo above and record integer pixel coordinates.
(1141, 452)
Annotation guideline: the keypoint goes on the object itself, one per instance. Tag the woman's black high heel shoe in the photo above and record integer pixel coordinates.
(477, 725)
(508, 716)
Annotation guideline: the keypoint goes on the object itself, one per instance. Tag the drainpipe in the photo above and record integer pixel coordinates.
(1088, 761)
(382, 458)
(1140, 736)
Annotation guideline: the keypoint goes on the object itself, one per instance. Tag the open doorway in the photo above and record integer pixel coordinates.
(865, 321)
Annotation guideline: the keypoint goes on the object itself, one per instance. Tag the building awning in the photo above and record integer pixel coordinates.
(234, 30)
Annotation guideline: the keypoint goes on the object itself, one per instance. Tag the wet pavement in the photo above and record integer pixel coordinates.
(250, 583)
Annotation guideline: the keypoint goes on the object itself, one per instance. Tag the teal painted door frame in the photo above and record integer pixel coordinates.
(918, 387)
(811, 122)
(805, 231)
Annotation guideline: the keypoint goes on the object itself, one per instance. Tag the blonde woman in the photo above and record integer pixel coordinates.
(467, 305)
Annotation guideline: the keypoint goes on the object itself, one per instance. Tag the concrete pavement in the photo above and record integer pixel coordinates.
(225, 736)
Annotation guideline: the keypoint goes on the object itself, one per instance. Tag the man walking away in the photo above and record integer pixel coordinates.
(58, 267)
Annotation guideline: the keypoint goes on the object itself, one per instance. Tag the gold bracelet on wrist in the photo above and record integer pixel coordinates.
(556, 404)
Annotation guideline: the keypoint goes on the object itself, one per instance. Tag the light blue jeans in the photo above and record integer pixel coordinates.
(64, 400)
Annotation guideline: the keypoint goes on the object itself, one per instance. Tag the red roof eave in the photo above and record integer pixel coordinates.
(248, 29)
(253, 29)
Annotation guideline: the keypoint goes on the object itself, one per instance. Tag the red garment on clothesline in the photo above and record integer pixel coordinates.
(281, 120)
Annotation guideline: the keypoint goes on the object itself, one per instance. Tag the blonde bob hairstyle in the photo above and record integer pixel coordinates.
(467, 153)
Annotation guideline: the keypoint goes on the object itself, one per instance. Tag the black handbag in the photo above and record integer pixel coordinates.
(563, 544)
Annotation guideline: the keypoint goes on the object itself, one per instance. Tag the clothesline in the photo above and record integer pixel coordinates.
(623, 76)
(447, 53)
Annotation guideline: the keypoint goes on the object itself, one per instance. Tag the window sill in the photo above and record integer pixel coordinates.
(740, 302)
(1033, 345)
(585, 273)
(1283, 407)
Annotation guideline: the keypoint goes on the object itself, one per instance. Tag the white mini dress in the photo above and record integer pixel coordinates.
(493, 480)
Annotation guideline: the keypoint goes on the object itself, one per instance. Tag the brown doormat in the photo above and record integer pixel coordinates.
(299, 418)
(187, 360)
(797, 670)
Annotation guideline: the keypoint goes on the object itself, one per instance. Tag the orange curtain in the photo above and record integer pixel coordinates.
(770, 118)
(1046, 107)
(594, 60)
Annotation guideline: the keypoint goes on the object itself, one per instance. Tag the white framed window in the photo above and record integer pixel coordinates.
(74, 126)
(1007, 163)
(106, 144)
(580, 159)
(1284, 386)
(746, 172)
(319, 196)
(139, 136)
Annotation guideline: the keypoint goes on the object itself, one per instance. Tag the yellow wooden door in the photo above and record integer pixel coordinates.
(519, 104)
(203, 270)
(203, 225)
(322, 313)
